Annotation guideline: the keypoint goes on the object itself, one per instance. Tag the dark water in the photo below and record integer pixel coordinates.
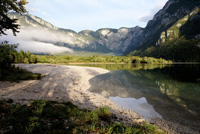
(170, 92)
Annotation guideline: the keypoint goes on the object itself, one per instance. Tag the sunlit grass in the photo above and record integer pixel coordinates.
(52, 117)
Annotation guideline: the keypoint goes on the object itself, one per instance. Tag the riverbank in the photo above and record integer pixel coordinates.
(64, 83)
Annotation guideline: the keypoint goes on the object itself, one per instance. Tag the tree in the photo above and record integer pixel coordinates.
(33, 59)
(7, 23)
(6, 54)
(26, 60)
(21, 56)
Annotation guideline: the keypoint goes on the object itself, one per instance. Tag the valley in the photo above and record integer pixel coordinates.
(171, 24)
(108, 80)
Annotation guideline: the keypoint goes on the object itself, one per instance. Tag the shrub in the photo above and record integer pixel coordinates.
(7, 54)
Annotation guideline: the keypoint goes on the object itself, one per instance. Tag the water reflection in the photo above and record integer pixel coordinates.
(172, 93)
(138, 105)
(115, 67)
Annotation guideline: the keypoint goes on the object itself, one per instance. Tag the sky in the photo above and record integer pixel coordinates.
(81, 15)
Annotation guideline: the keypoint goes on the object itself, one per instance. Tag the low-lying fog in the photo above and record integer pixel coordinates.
(37, 41)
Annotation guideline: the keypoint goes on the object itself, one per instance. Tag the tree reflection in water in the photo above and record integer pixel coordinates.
(173, 91)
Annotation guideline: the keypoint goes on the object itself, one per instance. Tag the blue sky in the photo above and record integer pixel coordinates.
(94, 14)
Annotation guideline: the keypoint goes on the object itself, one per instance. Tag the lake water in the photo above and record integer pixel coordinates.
(169, 92)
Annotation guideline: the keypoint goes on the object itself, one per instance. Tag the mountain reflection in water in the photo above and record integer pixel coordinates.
(172, 91)
(138, 105)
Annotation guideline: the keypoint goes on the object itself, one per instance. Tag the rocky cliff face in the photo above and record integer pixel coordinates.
(102, 40)
(177, 18)
(175, 31)
(31, 20)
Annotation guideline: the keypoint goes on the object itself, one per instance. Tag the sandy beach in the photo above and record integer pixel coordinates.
(64, 83)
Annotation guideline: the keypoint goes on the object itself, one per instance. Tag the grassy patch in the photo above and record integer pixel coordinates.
(53, 117)
(17, 74)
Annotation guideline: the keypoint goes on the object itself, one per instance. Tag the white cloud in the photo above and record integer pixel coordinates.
(27, 41)
(36, 10)
(44, 13)
(40, 47)
(29, 33)
(32, 9)
(146, 17)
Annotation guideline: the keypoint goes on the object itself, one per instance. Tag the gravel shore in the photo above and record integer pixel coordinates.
(64, 83)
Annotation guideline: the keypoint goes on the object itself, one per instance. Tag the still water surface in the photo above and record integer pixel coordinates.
(170, 92)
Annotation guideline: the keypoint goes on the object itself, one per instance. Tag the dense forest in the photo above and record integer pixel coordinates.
(10, 55)
(98, 59)
(178, 50)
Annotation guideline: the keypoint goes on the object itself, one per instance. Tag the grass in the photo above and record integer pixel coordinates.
(64, 118)
(16, 74)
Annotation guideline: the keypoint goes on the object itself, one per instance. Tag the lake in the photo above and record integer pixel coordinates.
(169, 92)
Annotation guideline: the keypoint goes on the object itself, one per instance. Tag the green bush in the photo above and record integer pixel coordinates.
(7, 54)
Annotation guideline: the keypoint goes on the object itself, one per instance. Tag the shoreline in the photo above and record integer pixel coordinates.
(64, 83)
(111, 63)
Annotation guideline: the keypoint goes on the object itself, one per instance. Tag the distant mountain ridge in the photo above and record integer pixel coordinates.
(177, 19)
(102, 40)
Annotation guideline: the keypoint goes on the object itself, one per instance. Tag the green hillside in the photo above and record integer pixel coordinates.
(178, 39)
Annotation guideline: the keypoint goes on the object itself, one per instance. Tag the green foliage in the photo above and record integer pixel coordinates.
(97, 59)
(104, 113)
(180, 50)
(192, 26)
(32, 59)
(149, 60)
(52, 117)
(6, 6)
(24, 57)
(10, 55)
(26, 60)
(6, 54)
(16, 74)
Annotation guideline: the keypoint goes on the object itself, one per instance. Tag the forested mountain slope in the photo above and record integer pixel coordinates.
(177, 23)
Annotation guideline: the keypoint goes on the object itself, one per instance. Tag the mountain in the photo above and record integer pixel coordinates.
(178, 19)
(177, 23)
(102, 40)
